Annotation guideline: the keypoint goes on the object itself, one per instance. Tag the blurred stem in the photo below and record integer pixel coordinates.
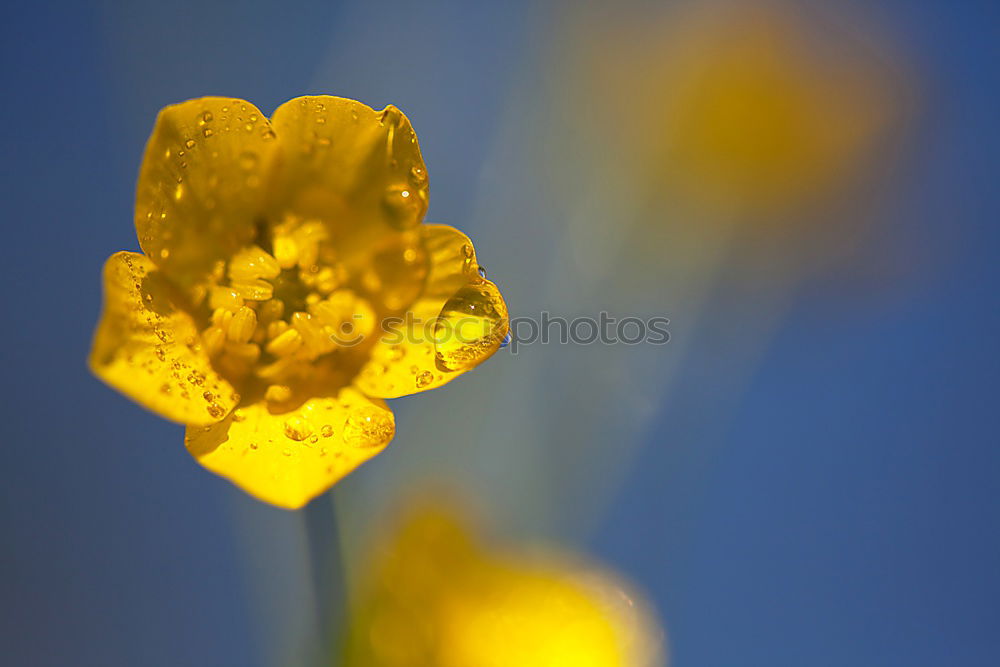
(327, 570)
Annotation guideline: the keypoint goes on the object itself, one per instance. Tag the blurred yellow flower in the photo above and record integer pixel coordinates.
(274, 253)
(754, 111)
(434, 597)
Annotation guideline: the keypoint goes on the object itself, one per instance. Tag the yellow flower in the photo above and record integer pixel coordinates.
(435, 597)
(280, 258)
(760, 110)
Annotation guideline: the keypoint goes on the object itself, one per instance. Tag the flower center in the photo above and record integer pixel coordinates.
(275, 313)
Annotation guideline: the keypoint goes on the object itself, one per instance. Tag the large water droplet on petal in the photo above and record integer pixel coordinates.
(369, 427)
(471, 327)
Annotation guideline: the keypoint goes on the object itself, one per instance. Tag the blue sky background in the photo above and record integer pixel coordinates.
(843, 509)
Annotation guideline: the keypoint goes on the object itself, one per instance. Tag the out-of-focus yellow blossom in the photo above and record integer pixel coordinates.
(275, 255)
(747, 111)
(437, 598)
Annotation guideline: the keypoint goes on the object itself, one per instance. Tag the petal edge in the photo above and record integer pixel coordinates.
(150, 351)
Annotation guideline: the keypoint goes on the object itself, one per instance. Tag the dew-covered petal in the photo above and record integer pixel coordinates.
(459, 321)
(201, 184)
(288, 458)
(356, 169)
(150, 351)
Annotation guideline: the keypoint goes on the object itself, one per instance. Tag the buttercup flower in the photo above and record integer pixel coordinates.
(276, 255)
(435, 596)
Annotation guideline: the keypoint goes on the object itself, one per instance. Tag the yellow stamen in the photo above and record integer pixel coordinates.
(286, 251)
(242, 325)
(275, 329)
(251, 263)
(213, 338)
(254, 290)
(285, 344)
(221, 318)
(224, 297)
(316, 341)
(248, 352)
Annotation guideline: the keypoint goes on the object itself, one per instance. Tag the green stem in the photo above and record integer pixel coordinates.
(327, 570)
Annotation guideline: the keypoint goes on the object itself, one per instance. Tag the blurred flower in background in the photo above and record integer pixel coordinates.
(434, 595)
(761, 110)
(761, 135)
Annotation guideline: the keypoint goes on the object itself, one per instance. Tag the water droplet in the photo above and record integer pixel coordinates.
(470, 328)
(207, 117)
(207, 131)
(189, 143)
(215, 410)
(424, 379)
(253, 445)
(482, 271)
(468, 250)
(506, 340)
(326, 431)
(405, 206)
(418, 175)
(369, 427)
(297, 428)
(238, 416)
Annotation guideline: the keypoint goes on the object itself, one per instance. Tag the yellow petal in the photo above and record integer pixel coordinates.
(289, 458)
(150, 351)
(459, 321)
(200, 186)
(357, 170)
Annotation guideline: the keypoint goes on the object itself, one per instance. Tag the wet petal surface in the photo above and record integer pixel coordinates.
(201, 184)
(458, 321)
(150, 351)
(290, 457)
